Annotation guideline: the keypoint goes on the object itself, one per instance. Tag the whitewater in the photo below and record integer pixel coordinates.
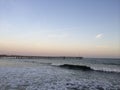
(47, 74)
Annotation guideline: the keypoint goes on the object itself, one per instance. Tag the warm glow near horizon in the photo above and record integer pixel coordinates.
(60, 28)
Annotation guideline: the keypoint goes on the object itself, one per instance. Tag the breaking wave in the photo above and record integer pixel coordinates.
(103, 67)
(89, 68)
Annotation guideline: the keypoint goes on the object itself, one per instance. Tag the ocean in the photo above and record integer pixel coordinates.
(60, 74)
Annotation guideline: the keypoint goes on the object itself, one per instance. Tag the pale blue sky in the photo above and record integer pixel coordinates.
(89, 28)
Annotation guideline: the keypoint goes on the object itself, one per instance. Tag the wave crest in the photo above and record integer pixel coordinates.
(78, 67)
(88, 68)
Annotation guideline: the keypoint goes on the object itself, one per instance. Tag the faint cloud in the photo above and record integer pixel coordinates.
(99, 36)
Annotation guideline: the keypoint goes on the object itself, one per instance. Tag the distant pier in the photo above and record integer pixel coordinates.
(38, 57)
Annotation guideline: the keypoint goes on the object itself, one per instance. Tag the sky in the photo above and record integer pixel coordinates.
(88, 28)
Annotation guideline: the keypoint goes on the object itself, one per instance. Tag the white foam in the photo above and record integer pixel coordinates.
(106, 68)
(45, 78)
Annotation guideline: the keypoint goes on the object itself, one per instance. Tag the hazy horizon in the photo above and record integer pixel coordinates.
(87, 28)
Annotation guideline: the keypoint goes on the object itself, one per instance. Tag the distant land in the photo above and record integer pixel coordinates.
(38, 57)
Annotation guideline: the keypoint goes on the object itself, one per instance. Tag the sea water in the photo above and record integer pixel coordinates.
(46, 74)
